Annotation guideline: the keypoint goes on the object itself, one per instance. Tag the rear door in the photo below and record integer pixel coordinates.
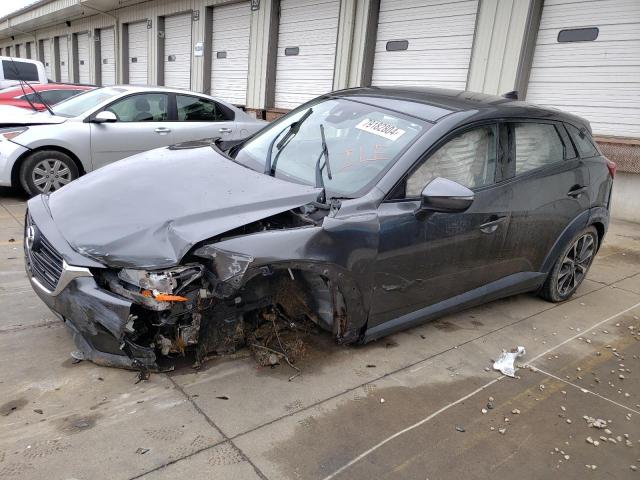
(548, 189)
(142, 125)
(199, 117)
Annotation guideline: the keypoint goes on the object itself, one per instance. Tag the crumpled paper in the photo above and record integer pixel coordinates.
(506, 361)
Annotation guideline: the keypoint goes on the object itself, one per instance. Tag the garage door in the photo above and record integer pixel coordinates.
(138, 53)
(107, 56)
(587, 61)
(63, 60)
(306, 50)
(177, 51)
(424, 43)
(46, 52)
(230, 51)
(83, 58)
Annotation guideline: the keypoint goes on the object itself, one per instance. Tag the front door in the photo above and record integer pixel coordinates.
(142, 125)
(425, 259)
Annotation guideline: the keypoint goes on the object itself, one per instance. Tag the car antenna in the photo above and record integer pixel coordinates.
(37, 94)
(512, 95)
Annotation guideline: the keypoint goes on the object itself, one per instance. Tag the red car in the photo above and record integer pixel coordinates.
(51, 93)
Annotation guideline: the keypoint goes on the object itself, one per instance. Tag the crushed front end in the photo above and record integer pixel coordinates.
(213, 303)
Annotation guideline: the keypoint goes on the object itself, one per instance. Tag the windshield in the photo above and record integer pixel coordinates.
(362, 141)
(83, 102)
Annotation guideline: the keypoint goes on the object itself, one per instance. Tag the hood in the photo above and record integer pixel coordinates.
(149, 210)
(11, 116)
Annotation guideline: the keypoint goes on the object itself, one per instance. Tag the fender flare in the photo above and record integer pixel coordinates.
(580, 222)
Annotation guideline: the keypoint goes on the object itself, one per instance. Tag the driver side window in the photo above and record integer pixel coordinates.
(147, 107)
(469, 159)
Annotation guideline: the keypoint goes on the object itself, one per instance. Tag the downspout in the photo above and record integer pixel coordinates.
(116, 35)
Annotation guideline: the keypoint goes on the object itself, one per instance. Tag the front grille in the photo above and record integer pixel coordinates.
(44, 261)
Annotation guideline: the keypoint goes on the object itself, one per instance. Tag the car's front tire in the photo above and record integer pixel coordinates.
(571, 267)
(46, 171)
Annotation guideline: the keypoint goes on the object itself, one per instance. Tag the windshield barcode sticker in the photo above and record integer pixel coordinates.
(381, 129)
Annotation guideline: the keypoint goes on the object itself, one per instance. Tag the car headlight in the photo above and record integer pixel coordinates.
(9, 133)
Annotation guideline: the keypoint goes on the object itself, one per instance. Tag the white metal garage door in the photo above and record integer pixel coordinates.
(46, 48)
(177, 51)
(83, 58)
(63, 61)
(138, 53)
(598, 79)
(107, 56)
(230, 52)
(306, 50)
(424, 43)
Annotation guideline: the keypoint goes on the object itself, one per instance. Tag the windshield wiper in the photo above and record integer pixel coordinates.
(324, 153)
(37, 94)
(292, 131)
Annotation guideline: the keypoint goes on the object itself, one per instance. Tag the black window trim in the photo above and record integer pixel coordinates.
(133, 94)
(500, 151)
(511, 173)
(228, 112)
(581, 129)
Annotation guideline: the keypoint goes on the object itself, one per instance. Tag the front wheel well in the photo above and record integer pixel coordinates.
(15, 171)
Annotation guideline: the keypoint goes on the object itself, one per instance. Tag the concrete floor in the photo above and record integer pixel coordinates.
(385, 410)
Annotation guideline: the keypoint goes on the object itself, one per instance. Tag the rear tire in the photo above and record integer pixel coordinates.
(46, 171)
(571, 267)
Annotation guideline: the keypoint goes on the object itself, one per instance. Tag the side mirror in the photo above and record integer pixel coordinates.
(105, 116)
(447, 196)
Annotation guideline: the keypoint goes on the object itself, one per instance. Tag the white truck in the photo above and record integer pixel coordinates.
(12, 70)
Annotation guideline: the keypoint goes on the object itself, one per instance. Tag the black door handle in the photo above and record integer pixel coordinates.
(576, 191)
(492, 225)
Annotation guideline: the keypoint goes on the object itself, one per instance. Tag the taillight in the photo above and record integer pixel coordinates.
(612, 167)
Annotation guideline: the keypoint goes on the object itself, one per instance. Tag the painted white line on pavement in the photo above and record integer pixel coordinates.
(582, 389)
(462, 399)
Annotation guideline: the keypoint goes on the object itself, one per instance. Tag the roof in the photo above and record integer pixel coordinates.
(433, 104)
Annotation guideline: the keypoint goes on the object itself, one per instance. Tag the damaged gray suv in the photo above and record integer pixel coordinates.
(364, 211)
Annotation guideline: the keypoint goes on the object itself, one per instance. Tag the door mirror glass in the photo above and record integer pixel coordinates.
(447, 196)
(105, 117)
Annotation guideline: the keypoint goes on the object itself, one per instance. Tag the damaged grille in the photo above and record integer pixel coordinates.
(45, 262)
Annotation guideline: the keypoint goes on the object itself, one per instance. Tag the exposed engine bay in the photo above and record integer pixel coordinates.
(215, 302)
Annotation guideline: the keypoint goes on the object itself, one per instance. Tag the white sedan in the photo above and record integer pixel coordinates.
(43, 151)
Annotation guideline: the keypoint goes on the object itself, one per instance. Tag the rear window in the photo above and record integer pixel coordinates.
(14, 70)
(583, 142)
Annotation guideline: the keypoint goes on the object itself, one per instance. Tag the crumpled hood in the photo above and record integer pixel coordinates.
(147, 211)
(11, 116)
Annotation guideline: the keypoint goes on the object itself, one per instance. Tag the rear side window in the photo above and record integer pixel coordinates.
(537, 145)
(468, 159)
(14, 70)
(583, 142)
(194, 109)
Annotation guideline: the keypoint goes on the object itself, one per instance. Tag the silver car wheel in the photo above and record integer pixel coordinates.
(575, 264)
(50, 175)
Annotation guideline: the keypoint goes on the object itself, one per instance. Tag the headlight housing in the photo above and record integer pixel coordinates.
(9, 133)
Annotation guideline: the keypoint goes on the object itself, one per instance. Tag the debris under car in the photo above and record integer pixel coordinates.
(327, 220)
